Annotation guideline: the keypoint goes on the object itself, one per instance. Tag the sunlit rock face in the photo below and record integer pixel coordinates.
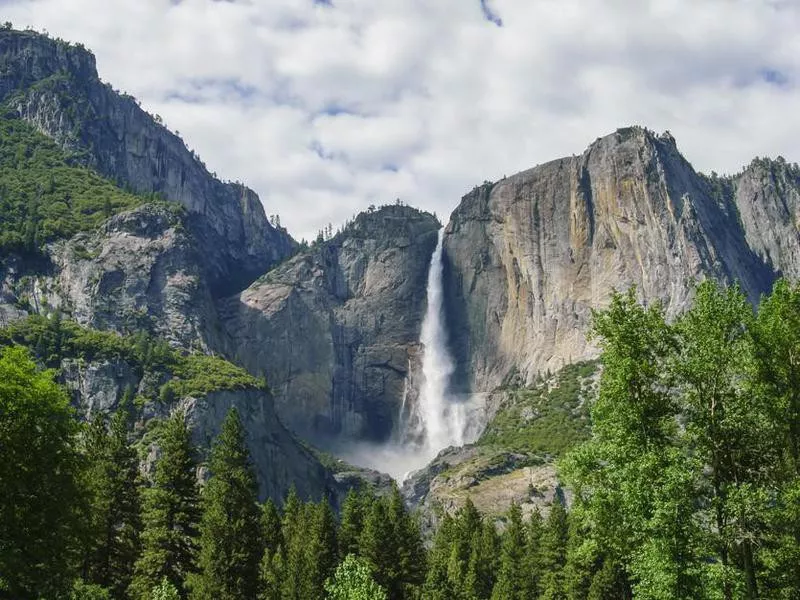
(528, 257)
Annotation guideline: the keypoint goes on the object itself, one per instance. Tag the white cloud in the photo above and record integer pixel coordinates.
(324, 110)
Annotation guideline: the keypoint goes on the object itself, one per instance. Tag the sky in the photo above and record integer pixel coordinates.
(327, 106)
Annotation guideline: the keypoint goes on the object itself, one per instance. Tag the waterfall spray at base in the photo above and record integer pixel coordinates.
(437, 419)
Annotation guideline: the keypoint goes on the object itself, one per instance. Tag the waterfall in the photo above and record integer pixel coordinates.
(437, 421)
(431, 418)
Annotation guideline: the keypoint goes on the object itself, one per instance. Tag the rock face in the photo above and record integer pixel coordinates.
(335, 330)
(767, 195)
(54, 86)
(279, 460)
(141, 271)
(528, 257)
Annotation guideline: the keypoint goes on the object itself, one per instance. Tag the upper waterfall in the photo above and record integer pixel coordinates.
(435, 421)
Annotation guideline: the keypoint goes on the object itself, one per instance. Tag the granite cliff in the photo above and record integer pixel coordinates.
(529, 257)
(335, 329)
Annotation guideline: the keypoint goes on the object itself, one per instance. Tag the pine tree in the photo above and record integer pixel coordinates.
(170, 515)
(39, 493)
(272, 575)
(114, 510)
(320, 552)
(583, 556)
(482, 569)
(271, 569)
(408, 570)
(533, 554)
(512, 580)
(605, 583)
(271, 526)
(554, 552)
(376, 546)
(292, 517)
(466, 573)
(437, 582)
(231, 545)
(777, 362)
(294, 529)
(352, 522)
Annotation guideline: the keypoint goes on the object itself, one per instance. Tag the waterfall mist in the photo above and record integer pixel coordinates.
(435, 419)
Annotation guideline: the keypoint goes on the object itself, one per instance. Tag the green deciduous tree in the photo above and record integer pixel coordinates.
(353, 581)
(164, 591)
(727, 428)
(633, 483)
(39, 493)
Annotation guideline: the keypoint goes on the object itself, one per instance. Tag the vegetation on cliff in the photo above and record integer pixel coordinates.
(548, 417)
(189, 374)
(44, 195)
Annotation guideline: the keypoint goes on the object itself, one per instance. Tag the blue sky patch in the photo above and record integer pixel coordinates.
(333, 110)
(489, 14)
(774, 77)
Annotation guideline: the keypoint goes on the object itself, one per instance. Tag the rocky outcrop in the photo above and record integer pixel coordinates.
(767, 196)
(98, 387)
(279, 460)
(54, 85)
(529, 257)
(140, 272)
(491, 478)
(335, 330)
